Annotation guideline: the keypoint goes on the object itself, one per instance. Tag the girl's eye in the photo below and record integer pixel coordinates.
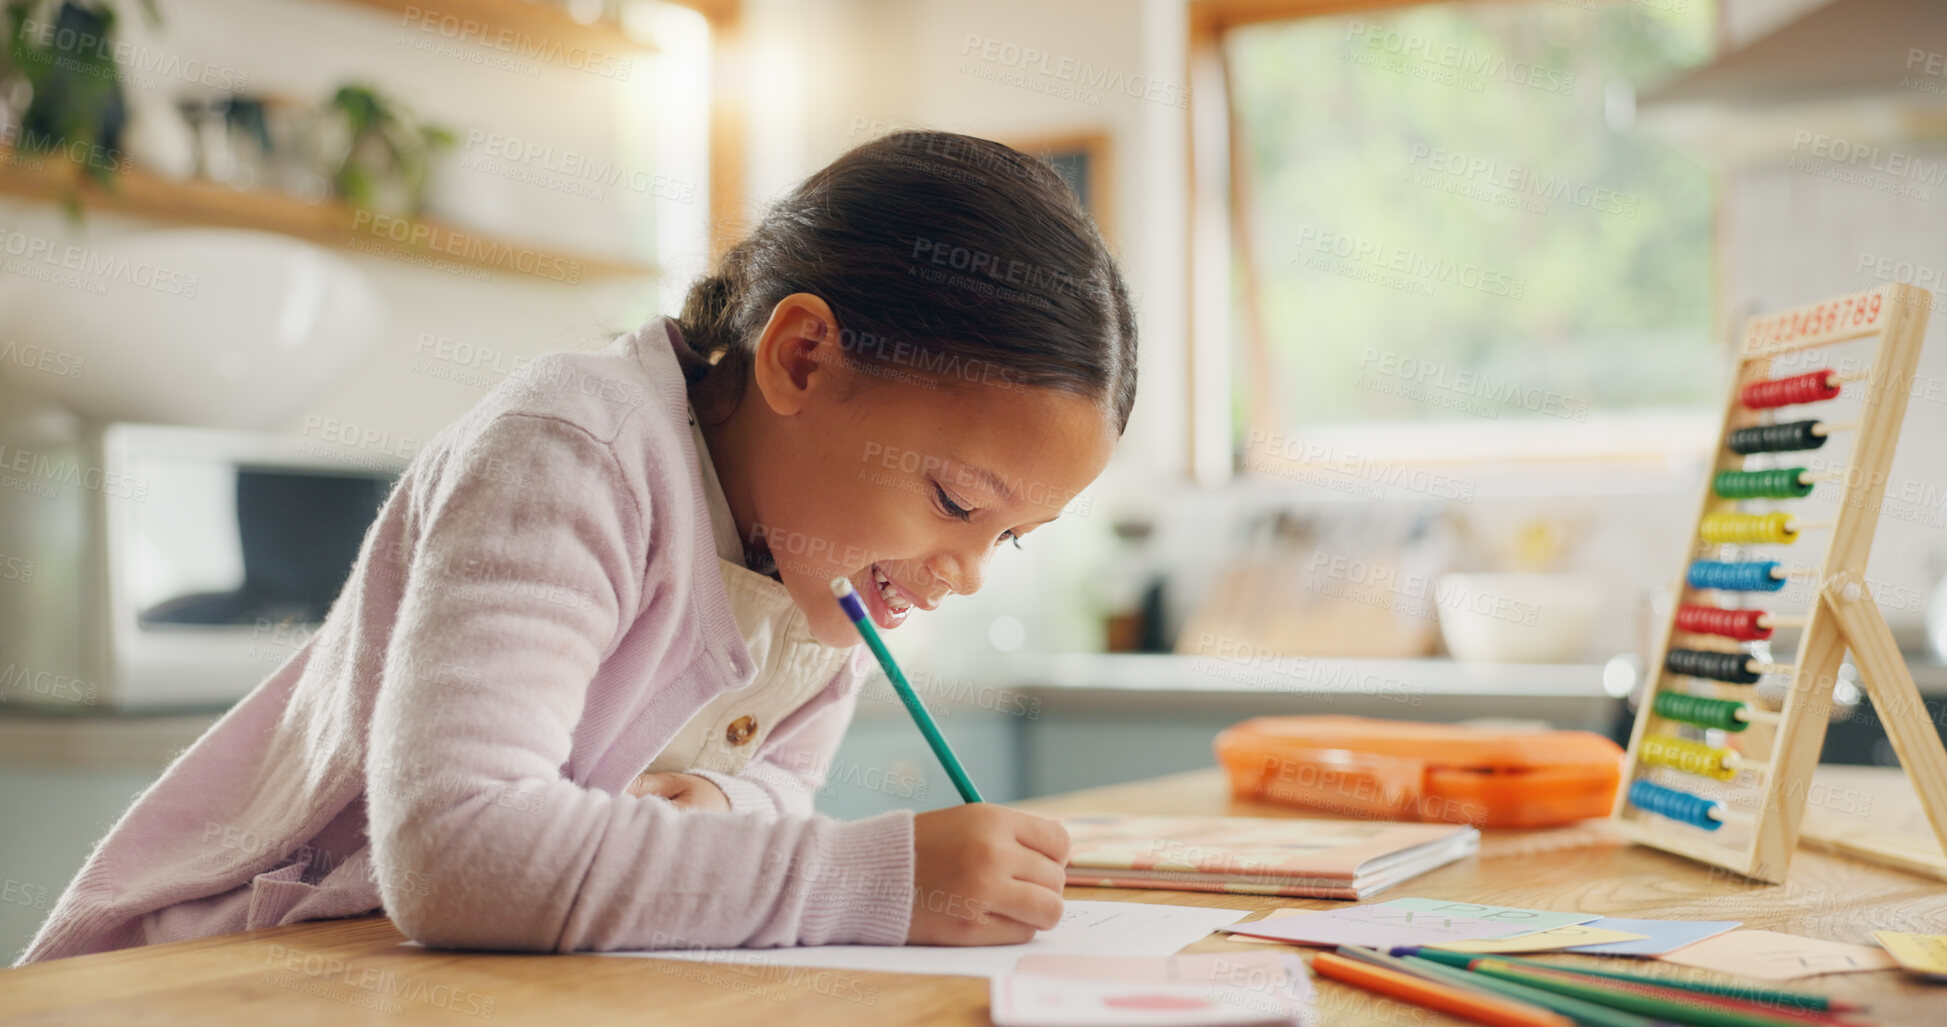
(955, 510)
(952, 508)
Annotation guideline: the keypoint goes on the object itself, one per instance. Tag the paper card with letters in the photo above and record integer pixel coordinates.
(1519, 921)
(1280, 912)
(1552, 940)
(1660, 935)
(1924, 954)
(1404, 922)
(1772, 956)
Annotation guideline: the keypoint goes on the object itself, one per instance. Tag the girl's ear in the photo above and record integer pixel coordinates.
(797, 352)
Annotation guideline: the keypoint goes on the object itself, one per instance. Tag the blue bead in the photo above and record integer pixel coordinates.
(1669, 802)
(1755, 576)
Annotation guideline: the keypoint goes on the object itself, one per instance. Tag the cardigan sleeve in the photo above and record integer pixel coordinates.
(530, 548)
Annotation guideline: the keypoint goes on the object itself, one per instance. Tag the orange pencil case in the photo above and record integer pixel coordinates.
(1407, 770)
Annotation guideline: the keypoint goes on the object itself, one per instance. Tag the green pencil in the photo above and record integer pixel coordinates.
(1635, 1002)
(848, 599)
(1802, 999)
(1575, 1009)
(1591, 1013)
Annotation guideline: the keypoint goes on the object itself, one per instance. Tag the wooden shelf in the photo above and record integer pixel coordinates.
(332, 223)
(530, 30)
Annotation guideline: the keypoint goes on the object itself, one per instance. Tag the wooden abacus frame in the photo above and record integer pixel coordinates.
(1842, 615)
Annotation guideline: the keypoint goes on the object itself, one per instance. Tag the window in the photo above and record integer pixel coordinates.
(1441, 214)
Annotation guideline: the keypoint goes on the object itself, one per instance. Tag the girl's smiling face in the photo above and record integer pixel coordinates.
(904, 484)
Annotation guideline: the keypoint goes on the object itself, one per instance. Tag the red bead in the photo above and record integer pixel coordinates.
(1784, 392)
(1714, 620)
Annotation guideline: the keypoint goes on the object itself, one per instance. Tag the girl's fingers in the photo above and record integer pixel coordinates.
(998, 930)
(687, 791)
(1036, 869)
(703, 793)
(1031, 904)
(1043, 835)
(995, 922)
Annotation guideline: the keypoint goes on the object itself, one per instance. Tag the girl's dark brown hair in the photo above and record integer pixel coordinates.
(945, 258)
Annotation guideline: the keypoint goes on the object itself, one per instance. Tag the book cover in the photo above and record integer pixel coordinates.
(1258, 856)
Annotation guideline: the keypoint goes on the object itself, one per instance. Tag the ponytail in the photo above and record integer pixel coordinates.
(959, 249)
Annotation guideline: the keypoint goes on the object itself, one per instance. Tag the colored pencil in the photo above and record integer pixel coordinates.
(848, 599)
(1575, 1009)
(1682, 1012)
(1794, 1014)
(1737, 991)
(1582, 1012)
(1471, 1004)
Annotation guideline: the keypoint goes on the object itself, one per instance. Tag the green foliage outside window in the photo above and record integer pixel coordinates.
(1451, 217)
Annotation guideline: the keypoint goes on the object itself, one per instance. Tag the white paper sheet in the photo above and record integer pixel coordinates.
(1086, 928)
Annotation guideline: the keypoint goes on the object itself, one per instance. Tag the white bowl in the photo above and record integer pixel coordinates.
(1517, 618)
(214, 327)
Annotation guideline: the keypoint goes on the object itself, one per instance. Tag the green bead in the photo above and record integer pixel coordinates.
(1779, 483)
(1700, 710)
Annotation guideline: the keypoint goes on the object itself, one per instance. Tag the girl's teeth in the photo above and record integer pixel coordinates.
(886, 592)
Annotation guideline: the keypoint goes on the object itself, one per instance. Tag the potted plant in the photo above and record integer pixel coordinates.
(64, 53)
(382, 152)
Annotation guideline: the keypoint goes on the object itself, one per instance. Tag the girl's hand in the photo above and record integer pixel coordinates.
(686, 791)
(985, 875)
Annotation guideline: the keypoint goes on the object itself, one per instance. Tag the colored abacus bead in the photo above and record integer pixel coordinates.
(1747, 529)
(1702, 663)
(1754, 576)
(1689, 757)
(1784, 392)
(1776, 438)
(1714, 620)
(1700, 710)
(1669, 802)
(1781, 483)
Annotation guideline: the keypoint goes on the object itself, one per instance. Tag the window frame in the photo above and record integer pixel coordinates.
(1215, 224)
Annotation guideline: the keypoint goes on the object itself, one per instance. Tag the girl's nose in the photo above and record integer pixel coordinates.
(961, 573)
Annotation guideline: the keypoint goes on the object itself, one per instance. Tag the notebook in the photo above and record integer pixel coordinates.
(1321, 859)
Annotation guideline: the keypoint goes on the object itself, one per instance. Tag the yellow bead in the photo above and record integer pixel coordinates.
(1689, 757)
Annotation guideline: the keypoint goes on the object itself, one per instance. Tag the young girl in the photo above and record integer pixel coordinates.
(587, 671)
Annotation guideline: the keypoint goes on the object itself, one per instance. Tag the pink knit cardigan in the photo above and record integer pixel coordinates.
(536, 612)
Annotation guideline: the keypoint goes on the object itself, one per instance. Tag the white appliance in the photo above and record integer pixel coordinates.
(167, 568)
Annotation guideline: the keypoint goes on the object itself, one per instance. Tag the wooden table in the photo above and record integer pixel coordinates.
(353, 971)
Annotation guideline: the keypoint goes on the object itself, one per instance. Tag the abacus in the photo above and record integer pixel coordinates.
(1702, 729)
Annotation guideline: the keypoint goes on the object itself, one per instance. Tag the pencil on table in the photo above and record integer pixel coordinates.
(1746, 992)
(1770, 1012)
(1648, 1005)
(1474, 1006)
(1589, 1013)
